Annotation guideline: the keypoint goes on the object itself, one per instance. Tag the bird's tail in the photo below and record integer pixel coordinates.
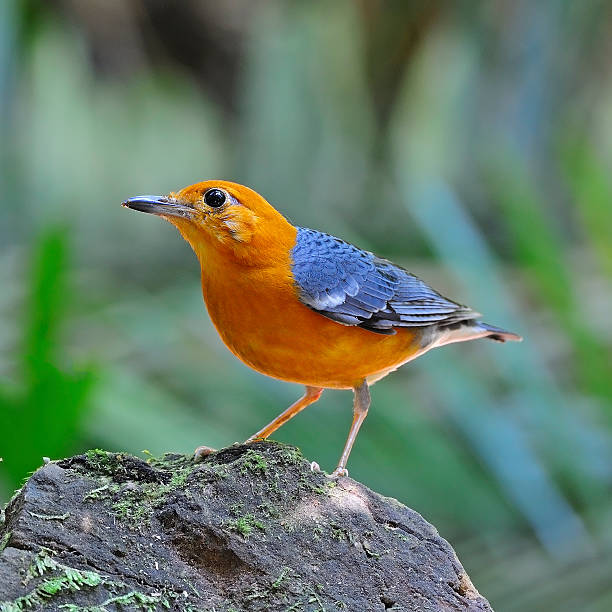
(470, 329)
(496, 333)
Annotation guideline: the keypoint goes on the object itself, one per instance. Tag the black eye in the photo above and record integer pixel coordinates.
(215, 198)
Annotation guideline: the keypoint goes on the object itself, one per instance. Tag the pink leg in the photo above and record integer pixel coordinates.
(361, 403)
(311, 395)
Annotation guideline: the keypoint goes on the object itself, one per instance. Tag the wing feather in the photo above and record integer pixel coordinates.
(354, 287)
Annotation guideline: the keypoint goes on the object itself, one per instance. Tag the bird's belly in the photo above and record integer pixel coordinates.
(286, 340)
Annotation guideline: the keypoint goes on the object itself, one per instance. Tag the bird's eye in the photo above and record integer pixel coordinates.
(215, 198)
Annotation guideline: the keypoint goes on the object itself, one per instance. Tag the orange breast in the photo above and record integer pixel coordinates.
(259, 317)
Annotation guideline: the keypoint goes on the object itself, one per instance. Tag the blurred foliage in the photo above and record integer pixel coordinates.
(470, 142)
(47, 412)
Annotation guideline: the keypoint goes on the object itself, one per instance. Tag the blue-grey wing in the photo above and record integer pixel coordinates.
(354, 287)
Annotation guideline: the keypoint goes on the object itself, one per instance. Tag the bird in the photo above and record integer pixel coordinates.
(306, 307)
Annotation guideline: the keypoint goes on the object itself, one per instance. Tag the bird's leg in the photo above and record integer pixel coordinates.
(311, 395)
(361, 403)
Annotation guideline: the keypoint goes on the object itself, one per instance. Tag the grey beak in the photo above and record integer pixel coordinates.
(159, 205)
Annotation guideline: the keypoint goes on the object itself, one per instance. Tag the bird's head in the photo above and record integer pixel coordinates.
(220, 215)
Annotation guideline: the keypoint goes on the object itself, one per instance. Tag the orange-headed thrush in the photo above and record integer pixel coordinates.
(306, 307)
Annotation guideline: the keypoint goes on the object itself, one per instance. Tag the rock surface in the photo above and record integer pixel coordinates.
(248, 528)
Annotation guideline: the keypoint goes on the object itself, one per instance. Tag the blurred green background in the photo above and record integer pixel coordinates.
(469, 141)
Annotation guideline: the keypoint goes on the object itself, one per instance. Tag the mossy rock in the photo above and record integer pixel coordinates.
(247, 528)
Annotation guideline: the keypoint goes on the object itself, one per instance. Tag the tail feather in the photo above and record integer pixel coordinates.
(461, 331)
(497, 333)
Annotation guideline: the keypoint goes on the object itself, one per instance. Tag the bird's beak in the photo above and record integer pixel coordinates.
(159, 205)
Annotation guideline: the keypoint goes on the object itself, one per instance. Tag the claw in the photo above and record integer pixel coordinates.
(338, 473)
(314, 466)
(201, 452)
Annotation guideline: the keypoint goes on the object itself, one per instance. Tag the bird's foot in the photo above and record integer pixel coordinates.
(254, 438)
(339, 472)
(201, 452)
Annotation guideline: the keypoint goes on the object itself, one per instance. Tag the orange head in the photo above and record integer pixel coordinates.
(222, 217)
